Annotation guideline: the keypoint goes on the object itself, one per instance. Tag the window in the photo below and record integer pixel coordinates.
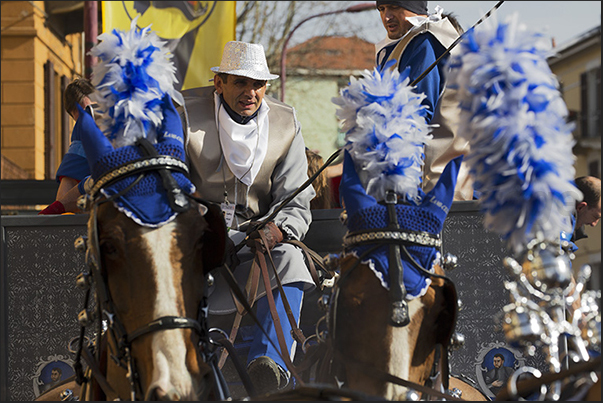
(594, 169)
(50, 161)
(56, 121)
(590, 120)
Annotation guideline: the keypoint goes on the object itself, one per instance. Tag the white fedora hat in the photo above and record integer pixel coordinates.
(244, 59)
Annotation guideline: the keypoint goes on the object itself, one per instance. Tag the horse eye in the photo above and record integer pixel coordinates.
(108, 249)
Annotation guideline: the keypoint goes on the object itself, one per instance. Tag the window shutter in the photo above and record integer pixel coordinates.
(66, 133)
(598, 103)
(50, 165)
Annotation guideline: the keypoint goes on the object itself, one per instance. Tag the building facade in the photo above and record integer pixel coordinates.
(42, 51)
(316, 71)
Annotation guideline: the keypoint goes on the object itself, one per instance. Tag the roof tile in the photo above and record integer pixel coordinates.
(332, 52)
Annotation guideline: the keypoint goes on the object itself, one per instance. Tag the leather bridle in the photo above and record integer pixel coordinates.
(398, 239)
(179, 201)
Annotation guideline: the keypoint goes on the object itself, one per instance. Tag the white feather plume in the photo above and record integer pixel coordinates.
(133, 73)
(385, 132)
(515, 120)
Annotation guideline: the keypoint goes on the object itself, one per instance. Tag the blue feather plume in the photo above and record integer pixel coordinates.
(516, 122)
(385, 132)
(133, 73)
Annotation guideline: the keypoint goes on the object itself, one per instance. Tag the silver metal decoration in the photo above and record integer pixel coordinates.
(544, 313)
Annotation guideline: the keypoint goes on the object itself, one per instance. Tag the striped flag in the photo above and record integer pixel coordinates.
(196, 32)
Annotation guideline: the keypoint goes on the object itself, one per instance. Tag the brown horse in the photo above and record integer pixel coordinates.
(149, 248)
(155, 280)
(151, 275)
(368, 351)
(392, 311)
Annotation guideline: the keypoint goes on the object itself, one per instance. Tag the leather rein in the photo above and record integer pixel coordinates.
(123, 340)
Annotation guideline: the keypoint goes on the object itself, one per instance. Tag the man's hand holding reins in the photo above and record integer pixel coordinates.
(265, 238)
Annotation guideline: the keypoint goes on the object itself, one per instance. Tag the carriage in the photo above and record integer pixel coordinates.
(53, 237)
(379, 337)
(106, 228)
(117, 364)
(463, 227)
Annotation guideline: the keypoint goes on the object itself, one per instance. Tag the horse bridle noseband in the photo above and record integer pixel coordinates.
(179, 202)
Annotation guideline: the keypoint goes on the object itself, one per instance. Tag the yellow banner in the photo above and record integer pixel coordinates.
(196, 32)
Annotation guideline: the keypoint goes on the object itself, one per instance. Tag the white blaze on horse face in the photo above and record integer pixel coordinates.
(170, 372)
(401, 350)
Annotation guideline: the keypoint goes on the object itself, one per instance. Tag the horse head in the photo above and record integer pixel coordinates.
(371, 347)
(150, 247)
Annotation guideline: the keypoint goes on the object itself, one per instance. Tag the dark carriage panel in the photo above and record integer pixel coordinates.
(479, 280)
(40, 301)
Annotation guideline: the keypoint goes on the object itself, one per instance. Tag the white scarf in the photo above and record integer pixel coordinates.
(243, 146)
(419, 20)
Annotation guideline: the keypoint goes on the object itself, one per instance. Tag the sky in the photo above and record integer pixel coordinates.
(561, 20)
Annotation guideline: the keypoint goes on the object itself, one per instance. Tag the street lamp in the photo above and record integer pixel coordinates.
(352, 9)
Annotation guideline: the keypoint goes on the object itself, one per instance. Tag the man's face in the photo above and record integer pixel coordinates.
(55, 375)
(394, 20)
(587, 215)
(497, 362)
(244, 95)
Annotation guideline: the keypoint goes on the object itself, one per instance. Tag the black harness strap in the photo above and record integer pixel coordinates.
(165, 323)
(399, 306)
(176, 197)
(98, 375)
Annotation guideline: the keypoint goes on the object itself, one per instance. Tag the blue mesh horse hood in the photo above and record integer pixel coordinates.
(134, 81)
(386, 132)
(433, 206)
(364, 212)
(147, 201)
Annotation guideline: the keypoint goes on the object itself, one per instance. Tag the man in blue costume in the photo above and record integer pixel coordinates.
(73, 170)
(417, 40)
(587, 212)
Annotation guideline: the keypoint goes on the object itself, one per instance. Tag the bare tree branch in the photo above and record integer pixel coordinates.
(270, 22)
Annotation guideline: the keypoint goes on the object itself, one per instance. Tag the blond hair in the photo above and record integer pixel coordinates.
(324, 196)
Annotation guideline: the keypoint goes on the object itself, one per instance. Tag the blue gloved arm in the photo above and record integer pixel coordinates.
(82, 185)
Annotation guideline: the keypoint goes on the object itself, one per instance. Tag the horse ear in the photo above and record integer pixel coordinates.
(171, 127)
(441, 196)
(351, 189)
(214, 239)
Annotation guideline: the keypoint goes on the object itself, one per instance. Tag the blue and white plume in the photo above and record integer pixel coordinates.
(133, 73)
(385, 132)
(515, 120)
